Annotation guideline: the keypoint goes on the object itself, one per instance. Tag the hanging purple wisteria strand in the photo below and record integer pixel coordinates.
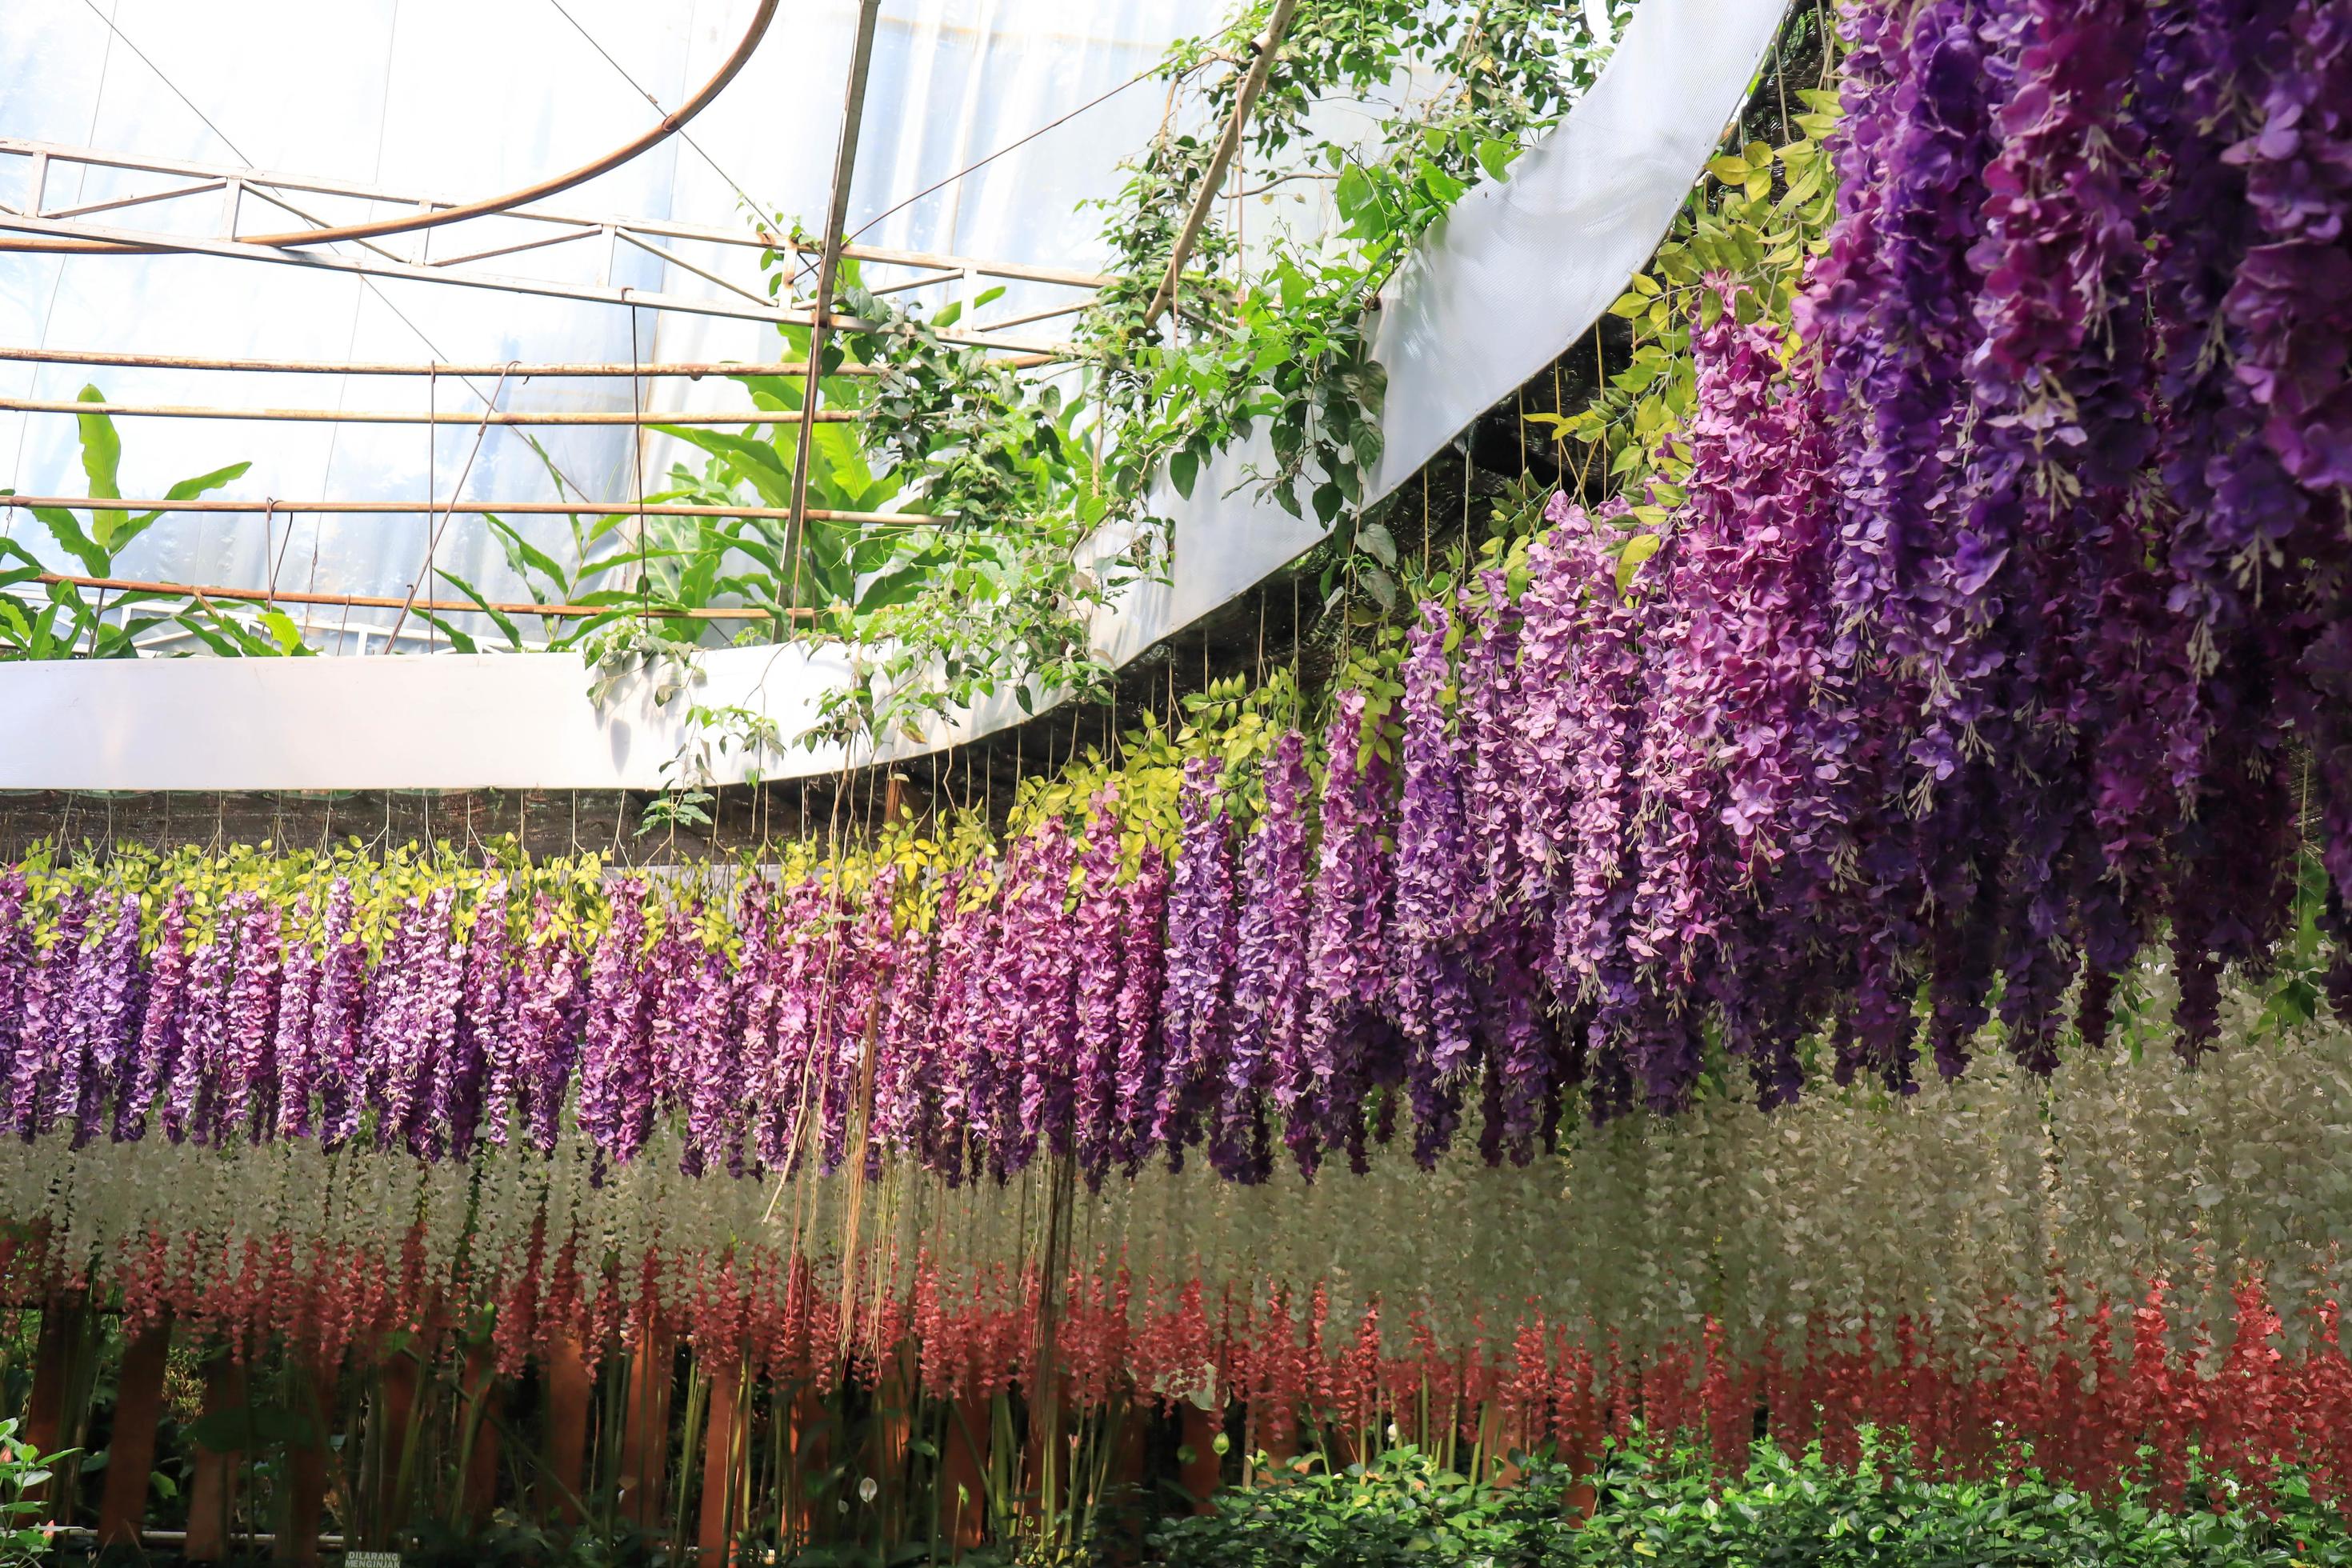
(2000, 628)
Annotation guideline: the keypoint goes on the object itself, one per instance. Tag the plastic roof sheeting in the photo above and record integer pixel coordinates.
(461, 99)
(1561, 236)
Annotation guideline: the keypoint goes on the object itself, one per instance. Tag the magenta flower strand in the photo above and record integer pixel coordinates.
(1096, 941)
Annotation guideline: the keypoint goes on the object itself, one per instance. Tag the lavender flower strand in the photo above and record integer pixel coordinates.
(1269, 975)
(160, 1042)
(1197, 1014)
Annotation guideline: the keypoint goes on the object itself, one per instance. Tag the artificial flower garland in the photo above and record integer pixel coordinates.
(2116, 1254)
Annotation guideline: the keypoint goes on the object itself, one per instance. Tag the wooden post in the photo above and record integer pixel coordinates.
(131, 1452)
(645, 1441)
(1198, 1475)
(961, 1500)
(569, 1387)
(1279, 1440)
(482, 1459)
(306, 1468)
(53, 1358)
(812, 1450)
(719, 1522)
(397, 1408)
(212, 1493)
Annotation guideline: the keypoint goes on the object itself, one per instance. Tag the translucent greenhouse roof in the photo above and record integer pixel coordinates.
(368, 114)
(435, 98)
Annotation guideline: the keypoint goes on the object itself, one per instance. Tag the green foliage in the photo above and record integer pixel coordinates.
(1653, 1509)
(56, 620)
(1757, 217)
(22, 1537)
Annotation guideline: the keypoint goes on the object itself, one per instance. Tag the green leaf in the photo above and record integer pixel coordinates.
(95, 559)
(1183, 468)
(1495, 157)
(282, 630)
(1374, 540)
(498, 618)
(1638, 549)
(458, 639)
(524, 558)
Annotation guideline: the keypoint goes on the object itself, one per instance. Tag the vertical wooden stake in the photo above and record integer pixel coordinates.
(482, 1458)
(1279, 1439)
(645, 1441)
(53, 1355)
(961, 1501)
(397, 1408)
(718, 1522)
(812, 1449)
(1198, 1475)
(569, 1387)
(130, 1452)
(306, 1466)
(212, 1493)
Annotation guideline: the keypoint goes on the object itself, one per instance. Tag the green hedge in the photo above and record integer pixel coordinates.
(1669, 1510)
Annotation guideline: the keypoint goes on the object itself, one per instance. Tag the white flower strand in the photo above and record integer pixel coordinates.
(1956, 1207)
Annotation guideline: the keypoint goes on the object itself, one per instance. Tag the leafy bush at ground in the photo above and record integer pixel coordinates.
(1652, 1510)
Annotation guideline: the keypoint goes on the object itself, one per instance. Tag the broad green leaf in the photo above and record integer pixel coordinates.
(458, 639)
(498, 618)
(102, 462)
(282, 631)
(94, 559)
(524, 558)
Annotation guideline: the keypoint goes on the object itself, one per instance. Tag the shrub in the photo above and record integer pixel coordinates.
(1653, 1509)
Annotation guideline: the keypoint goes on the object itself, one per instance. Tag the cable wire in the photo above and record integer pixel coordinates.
(682, 133)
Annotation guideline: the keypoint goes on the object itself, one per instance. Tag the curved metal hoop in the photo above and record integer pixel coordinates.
(488, 205)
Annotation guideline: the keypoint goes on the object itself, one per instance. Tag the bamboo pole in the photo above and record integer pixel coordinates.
(464, 509)
(1204, 201)
(380, 601)
(432, 416)
(844, 164)
(693, 370)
